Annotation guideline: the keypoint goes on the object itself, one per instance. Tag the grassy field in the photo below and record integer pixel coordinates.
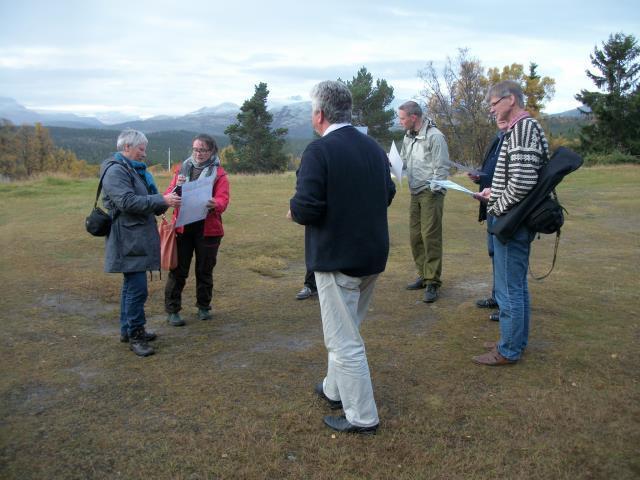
(232, 398)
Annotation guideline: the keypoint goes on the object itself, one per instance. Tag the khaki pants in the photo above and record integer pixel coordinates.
(425, 233)
(344, 302)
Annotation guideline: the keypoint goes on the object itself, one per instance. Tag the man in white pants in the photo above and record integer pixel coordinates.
(343, 190)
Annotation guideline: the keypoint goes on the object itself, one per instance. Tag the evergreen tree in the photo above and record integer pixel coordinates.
(257, 148)
(370, 106)
(616, 112)
(537, 90)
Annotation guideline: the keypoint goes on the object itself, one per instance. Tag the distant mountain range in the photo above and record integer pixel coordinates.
(214, 120)
(579, 112)
(19, 115)
(92, 139)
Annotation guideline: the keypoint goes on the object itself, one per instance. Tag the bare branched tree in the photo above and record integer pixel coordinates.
(455, 101)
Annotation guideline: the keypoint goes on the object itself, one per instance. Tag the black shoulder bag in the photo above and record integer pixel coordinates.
(548, 216)
(98, 223)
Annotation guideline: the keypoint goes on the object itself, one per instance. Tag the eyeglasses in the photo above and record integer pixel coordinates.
(493, 104)
(200, 150)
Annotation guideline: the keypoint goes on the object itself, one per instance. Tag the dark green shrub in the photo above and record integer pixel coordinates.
(610, 158)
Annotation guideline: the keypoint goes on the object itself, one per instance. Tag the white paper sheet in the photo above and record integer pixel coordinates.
(452, 185)
(396, 162)
(195, 196)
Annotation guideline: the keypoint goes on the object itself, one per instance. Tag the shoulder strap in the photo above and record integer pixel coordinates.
(553, 262)
(555, 248)
(95, 204)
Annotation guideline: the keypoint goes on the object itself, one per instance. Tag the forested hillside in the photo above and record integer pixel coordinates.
(94, 145)
(568, 127)
(26, 151)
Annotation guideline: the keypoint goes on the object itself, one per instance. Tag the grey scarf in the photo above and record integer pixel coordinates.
(192, 168)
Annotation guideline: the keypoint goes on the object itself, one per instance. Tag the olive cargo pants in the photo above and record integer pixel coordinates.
(425, 233)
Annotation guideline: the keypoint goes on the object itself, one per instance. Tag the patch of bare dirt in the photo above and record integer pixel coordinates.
(64, 304)
(32, 398)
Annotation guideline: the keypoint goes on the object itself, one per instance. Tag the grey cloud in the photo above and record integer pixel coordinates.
(386, 70)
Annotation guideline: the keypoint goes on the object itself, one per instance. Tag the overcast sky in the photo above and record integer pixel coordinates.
(166, 57)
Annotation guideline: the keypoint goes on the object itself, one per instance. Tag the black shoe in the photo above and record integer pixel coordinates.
(341, 424)
(487, 303)
(138, 344)
(306, 292)
(148, 336)
(333, 404)
(431, 294)
(418, 284)
(494, 317)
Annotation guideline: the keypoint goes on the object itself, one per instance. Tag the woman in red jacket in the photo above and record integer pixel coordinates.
(202, 237)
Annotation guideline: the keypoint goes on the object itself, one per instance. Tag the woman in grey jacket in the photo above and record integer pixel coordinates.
(133, 245)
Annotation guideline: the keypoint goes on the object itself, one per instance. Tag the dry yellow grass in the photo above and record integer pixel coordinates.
(232, 398)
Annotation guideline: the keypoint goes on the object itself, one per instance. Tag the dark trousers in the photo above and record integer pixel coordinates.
(490, 241)
(310, 280)
(206, 250)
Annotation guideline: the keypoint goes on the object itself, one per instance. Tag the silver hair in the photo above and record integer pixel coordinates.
(334, 99)
(130, 137)
(411, 108)
(506, 88)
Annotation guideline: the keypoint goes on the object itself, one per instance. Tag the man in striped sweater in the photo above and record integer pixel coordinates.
(524, 151)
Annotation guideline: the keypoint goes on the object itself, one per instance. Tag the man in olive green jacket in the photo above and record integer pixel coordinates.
(426, 155)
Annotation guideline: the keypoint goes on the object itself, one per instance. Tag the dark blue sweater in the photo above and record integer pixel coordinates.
(343, 190)
(488, 167)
